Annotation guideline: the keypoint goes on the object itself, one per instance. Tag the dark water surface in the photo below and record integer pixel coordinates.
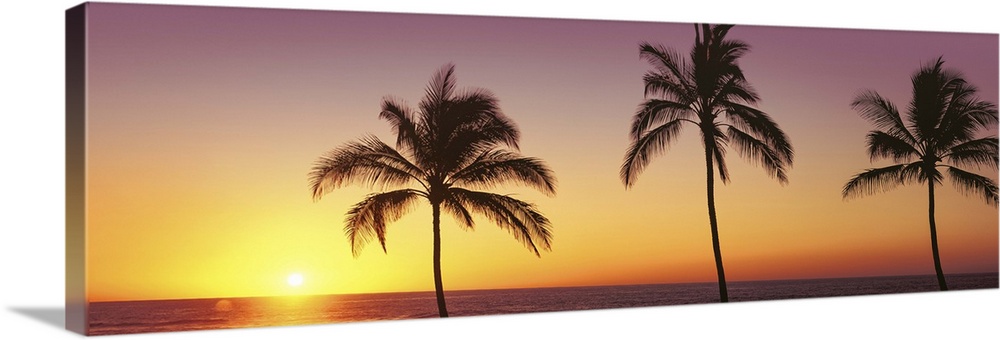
(194, 314)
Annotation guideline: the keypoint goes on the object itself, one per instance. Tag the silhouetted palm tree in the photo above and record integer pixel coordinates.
(453, 144)
(711, 93)
(941, 124)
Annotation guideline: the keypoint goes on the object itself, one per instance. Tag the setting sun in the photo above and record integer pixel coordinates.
(295, 280)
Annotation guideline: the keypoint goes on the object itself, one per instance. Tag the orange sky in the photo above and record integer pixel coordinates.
(201, 136)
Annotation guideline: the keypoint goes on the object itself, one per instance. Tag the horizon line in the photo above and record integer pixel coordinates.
(539, 287)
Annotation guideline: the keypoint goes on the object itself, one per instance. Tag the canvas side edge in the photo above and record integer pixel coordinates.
(76, 95)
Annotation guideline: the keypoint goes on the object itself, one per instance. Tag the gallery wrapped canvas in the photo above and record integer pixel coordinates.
(244, 167)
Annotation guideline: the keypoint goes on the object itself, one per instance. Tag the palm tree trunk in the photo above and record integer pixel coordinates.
(934, 243)
(438, 287)
(723, 293)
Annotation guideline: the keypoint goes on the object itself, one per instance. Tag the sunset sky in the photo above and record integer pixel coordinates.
(204, 122)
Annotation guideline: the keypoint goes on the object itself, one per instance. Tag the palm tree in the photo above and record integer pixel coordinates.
(941, 130)
(454, 144)
(711, 93)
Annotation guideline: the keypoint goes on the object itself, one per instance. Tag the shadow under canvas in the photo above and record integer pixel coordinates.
(53, 316)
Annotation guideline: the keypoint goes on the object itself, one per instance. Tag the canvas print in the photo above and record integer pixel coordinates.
(241, 167)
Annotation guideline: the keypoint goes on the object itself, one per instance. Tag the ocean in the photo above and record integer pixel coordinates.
(217, 313)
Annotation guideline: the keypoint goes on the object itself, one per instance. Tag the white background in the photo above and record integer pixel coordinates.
(32, 190)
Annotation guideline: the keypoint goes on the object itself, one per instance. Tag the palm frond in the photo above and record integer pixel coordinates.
(976, 153)
(500, 166)
(367, 219)
(720, 31)
(759, 153)
(924, 174)
(876, 180)
(719, 154)
(970, 183)
(883, 114)
(714, 60)
(438, 91)
(933, 86)
(521, 219)
(964, 118)
(466, 140)
(883, 145)
(665, 86)
(459, 212)
(653, 112)
(367, 161)
(983, 114)
(672, 70)
(735, 89)
(759, 124)
(467, 124)
(408, 136)
(731, 51)
(642, 150)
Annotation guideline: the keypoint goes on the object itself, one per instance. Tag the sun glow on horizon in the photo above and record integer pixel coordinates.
(295, 280)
